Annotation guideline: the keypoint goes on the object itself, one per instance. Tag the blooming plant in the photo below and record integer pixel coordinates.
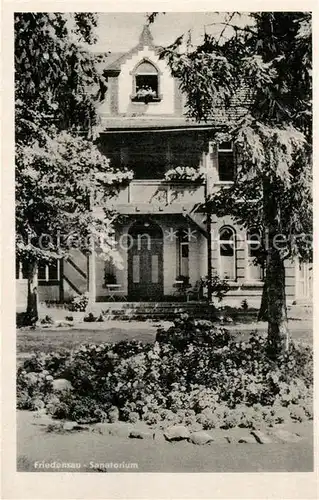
(145, 92)
(79, 303)
(195, 373)
(184, 173)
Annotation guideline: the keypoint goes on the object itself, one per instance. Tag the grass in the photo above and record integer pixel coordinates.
(46, 340)
(43, 340)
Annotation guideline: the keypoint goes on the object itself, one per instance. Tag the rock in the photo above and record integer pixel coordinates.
(158, 436)
(176, 433)
(195, 427)
(119, 429)
(228, 439)
(44, 421)
(55, 427)
(247, 439)
(200, 437)
(80, 427)
(286, 436)
(261, 437)
(69, 426)
(62, 324)
(139, 434)
(61, 384)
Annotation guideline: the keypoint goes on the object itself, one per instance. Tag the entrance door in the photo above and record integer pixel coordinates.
(145, 262)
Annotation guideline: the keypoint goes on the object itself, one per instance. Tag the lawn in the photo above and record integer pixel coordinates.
(46, 340)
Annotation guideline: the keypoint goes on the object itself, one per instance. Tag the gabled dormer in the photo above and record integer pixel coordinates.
(140, 83)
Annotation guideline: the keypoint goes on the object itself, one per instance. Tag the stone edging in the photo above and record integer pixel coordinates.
(172, 433)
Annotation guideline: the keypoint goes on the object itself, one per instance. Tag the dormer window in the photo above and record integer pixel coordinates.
(146, 83)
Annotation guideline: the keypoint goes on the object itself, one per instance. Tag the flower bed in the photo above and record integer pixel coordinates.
(195, 373)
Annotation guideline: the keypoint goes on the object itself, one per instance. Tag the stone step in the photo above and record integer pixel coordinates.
(150, 310)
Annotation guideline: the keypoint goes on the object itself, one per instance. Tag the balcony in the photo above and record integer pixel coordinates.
(156, 196)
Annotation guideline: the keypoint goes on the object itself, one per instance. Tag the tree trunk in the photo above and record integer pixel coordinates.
(278, 334)
(263, 311)
(32, 303)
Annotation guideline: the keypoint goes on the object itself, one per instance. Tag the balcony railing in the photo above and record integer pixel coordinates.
(162, 193)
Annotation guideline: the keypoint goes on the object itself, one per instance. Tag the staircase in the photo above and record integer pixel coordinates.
(151, 310)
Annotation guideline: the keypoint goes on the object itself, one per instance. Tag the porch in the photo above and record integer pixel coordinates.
(163, 259)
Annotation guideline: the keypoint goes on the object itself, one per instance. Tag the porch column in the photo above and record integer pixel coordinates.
(209, 184)
(91, 275)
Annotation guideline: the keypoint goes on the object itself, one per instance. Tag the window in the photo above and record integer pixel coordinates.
(21, 270)
(46, 272)
(49, 272)
(146, 82)
(136, 268)
(226, 163)
(227, 253)
(254, 247)
(183, 253)
(154, 263)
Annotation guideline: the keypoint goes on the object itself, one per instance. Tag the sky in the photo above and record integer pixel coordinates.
(119, 32)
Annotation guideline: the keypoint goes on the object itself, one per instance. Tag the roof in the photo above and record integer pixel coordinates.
(115, 60)
(145, 122)
(160, 123)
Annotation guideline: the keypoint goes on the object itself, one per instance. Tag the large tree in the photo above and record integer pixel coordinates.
(256, 84)
(59, 169)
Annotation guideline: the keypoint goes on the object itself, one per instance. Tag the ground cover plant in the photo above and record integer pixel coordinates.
(196, 373)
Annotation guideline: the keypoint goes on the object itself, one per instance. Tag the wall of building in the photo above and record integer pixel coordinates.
(125, 85)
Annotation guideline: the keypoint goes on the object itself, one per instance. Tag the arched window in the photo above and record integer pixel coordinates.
(145, 82)
(227, 253)
(254, 247)
(183, 253)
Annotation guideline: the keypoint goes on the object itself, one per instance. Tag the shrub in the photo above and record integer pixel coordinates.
(32, 388)
(188, 332)
(90, 318)
(79, 303)
(194, 373)
(47, 320)
(244, 305)
(82, 410)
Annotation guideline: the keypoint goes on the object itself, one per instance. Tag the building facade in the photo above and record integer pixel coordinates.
(161, 234)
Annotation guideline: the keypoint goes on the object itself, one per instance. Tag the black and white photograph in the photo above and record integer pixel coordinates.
(163, 242)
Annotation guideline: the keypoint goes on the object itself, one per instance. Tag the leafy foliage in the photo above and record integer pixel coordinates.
(256, 85)
(60, 174)
(263, 72)
(194, 373)
(79, 303)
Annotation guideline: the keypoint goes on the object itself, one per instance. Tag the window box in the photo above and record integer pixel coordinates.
(146, 98)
